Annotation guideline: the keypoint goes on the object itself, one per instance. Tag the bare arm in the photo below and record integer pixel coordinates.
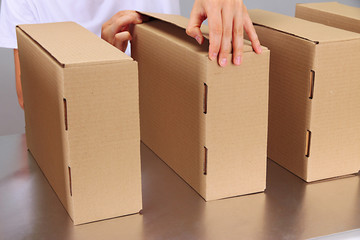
(18, 78)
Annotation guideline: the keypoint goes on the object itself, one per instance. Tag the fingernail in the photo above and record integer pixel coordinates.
(223, 62)
(213, 56)
(198, 39)
(259, 49)
(237, 60)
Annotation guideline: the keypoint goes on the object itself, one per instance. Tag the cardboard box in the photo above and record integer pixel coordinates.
(208, 123)
(314, 103)
(82, 119)
(332, 14)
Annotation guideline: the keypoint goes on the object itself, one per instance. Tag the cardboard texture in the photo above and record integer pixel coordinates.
(314, 102)
(82, 119)
(208, 123)
(332, 14)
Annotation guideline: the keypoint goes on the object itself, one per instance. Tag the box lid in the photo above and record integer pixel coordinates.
(182, 22)
(315, 32)
(66, 50)
(334, 8)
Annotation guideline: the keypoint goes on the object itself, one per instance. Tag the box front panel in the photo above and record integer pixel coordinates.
(335, 123)
(236, 126)
(172, 77)
(104, 140)
(291, 62)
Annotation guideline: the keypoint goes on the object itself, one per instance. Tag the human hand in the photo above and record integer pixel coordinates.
(116, 30)
(227, 20)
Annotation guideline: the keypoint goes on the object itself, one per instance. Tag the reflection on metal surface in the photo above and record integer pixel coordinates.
(289, 208)
(348, 235)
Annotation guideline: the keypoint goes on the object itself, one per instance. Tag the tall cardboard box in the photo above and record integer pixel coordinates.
(332, 14)
(314, 103)
(82, 119)
(208, 123)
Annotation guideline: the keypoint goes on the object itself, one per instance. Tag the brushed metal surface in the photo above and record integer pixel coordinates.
(289, 209)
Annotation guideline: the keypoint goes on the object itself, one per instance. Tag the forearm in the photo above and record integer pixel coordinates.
(18, 78)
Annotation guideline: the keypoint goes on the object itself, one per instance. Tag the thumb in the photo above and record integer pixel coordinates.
(193, 28)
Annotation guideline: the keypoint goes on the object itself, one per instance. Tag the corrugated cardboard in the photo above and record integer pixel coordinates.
(332, 14)
(82, 119)
(314, 103)
(208, 123)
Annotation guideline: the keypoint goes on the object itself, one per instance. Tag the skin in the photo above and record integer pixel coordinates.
(227, 21)
(18, 79)
(116, 31)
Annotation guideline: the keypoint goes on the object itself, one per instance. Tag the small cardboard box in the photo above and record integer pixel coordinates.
(82, 119)
(314, 103)
(332, 14)
(208, 123)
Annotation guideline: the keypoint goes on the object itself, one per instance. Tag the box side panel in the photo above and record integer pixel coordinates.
(43, 86)
(336, 8)
(328, 18)
(291, 61)
(172, 76)
(104, 140)
(236, 127)
(335, 123)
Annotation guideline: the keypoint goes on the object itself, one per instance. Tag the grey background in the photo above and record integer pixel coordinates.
(12, 116)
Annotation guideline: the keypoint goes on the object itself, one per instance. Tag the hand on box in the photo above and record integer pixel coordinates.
(227, 20)
(116, 31)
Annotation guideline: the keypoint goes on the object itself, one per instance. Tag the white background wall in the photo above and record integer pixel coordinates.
(11, 115)
(280, 6)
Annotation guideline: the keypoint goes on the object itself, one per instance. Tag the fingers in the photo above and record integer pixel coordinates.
(193, 29)
(227, 22)
(121, 40)
(250, 30)
(116, 30)
(215, 32)
(122, 23)
(238, 39)
(227, 32)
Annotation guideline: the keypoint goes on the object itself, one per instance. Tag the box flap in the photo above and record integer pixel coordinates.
(176, 20)
(182, 22)
(68, 51)
(334, 8)
(314, 32)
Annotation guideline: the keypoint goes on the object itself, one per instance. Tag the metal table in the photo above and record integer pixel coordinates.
(289, 208)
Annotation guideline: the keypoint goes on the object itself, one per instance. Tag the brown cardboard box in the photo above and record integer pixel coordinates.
(82, 119)
(208, 123)
(314, 102)
(332, 14)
